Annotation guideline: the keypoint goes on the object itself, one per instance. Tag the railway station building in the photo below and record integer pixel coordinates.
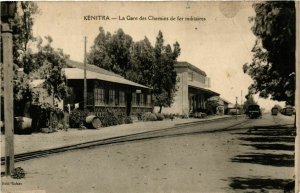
(192, 90)
(105, 89)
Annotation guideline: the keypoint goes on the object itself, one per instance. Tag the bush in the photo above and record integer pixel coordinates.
(184, 116)
(77, 118)
(45, 115)
(159, 116)
(149, 117)
(169, 116)
(203, 115)
(18, 173)
(199, 115)
(127, 120)
(111, 117)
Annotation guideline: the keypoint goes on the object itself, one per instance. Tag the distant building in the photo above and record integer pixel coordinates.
(106, 89)
(223, 104)
(234, 109)
(192, 90)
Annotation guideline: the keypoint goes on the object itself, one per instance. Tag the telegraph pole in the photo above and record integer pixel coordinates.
(8, 10)
(236, 111)
(241, 97)
(242, 106)
(84, 81)
(8, 98)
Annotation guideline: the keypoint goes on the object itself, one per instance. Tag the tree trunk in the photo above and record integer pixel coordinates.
(160, 108)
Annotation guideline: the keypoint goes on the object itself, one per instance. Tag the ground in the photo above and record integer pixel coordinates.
(254, 157)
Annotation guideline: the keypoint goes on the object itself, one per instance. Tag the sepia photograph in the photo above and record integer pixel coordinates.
(149, 96)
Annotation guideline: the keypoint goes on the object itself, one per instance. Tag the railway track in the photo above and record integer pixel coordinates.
(180, 130)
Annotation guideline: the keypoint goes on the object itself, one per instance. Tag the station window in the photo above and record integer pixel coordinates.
(134, 102)
(142, 103)
(111, 96)
(148, 100)
(121, 98)
(99, 96)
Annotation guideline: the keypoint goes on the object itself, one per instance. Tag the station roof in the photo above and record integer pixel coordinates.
(77, 73)
(90, 67)
(184, 64)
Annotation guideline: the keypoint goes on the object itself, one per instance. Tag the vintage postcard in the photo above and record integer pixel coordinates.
(129, 97)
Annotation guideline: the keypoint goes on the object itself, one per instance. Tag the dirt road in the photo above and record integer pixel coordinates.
(257, 157)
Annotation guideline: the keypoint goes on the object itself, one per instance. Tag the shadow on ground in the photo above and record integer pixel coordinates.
(268, 138)
(278, 160)
(260, 183)
(272, 146)
(270, 131)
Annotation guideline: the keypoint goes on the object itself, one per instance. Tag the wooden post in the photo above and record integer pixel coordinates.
(8, 97)
(84, 81)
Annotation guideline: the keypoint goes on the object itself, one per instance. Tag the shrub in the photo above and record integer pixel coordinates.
(184, 116)
(18, 173)
(127, 120)
(203, 115)
(159, 116)
(111, 117)
(167, 116)
(60, 126)
(149, 117)
(77, 118)
(66, 127)
(45, 115)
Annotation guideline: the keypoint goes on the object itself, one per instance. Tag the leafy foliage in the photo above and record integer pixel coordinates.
(111, 118)
(22, 32)
(211, 106)
(18, 173)
(45, 115)
(45, 63)
(159, 116)
(148, 116)
(77, 118)
(51, 62)
(128, 120)
(164, 80)
(142, 60)
(273, 64)
(111, 52)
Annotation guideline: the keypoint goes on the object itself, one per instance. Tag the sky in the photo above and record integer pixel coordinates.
(219, 43)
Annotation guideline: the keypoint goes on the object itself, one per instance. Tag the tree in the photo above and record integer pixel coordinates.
(46, 63)
(164, 78)
(51, 63)
(22, 33)
(112, 52)
(211, 106)
(142, 62)
(22, 36)
(273, 64)
(99, 54)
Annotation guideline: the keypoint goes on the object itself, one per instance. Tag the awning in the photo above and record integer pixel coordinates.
(204, 90)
